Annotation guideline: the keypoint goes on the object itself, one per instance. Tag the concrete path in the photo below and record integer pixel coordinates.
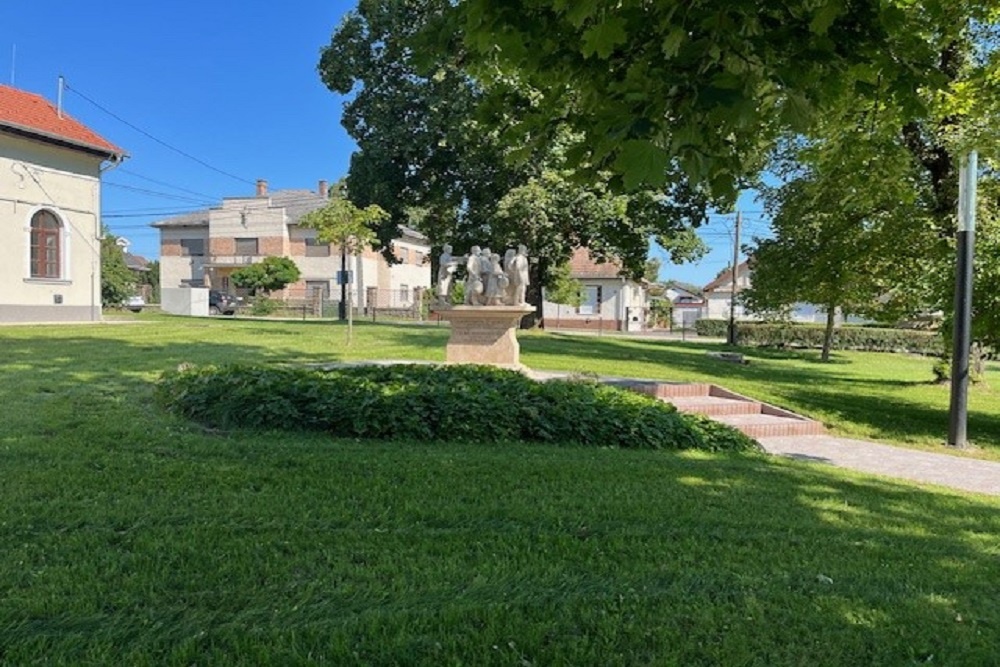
(956, 472)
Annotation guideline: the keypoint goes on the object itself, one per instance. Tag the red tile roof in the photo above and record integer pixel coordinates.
(33, 114)
(582, 265)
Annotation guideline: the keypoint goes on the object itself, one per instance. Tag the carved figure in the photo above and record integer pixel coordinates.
(474, 278)
(517, 274)
(496, 286)
(447, 265)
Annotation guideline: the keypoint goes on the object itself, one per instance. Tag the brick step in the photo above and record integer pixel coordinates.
(755, 419)
(714, 405)
(669, 390)
(767, 426)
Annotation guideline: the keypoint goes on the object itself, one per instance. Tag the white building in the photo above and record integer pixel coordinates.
(50, 203)
(611, 302)
(204, 248)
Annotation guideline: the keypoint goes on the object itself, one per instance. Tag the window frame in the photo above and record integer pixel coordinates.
(41, 255)
(314, 248)
(245, 240)
(185, 247)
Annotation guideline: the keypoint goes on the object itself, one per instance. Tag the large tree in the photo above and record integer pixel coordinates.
(657, 89)
(868, 207)
(427, 158)
(835, 237)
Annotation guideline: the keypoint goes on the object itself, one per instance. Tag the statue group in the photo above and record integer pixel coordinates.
(488, 282)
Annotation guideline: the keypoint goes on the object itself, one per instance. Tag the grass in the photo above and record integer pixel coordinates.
(131, 537)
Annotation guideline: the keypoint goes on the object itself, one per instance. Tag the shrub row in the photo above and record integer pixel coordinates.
(440, 403)
(711, 328)
(787, 334)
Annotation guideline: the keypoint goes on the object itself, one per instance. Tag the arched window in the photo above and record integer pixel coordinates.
(45, 245)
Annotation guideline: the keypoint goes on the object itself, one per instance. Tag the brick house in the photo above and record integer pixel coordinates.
(50, 203)
(611, 302)
(204, 248)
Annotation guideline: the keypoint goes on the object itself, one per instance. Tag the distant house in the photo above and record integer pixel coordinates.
(719, 293)
(611, 302)
(204, 248)
(718, 296)
(687, 303)
(50, 203)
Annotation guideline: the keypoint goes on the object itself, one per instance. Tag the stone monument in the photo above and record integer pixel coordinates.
(483, 328)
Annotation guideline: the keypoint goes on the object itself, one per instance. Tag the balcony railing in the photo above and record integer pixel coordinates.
(233, 260)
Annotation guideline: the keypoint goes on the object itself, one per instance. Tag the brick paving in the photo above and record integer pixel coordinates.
(956, 472)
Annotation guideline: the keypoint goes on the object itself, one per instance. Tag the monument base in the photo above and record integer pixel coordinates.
(484, 334)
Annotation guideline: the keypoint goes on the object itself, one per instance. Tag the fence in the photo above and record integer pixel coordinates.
(379, 305)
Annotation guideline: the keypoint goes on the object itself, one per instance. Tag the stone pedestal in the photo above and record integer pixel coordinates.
(484, 334)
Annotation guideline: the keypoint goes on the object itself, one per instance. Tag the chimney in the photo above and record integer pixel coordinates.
(322, 190)
(261, 187)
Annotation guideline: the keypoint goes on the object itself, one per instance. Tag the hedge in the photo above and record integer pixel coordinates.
(711, 328)
(439, 403)
(787, 334)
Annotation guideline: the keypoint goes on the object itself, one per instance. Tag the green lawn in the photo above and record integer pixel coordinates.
(888, 397)
(131, 537)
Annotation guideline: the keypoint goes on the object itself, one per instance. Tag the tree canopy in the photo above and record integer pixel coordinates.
(663, 90)
(431, 160)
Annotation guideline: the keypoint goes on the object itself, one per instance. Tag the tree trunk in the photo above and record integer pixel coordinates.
(831, 316)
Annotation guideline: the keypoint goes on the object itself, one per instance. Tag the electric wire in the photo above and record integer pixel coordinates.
(157, 140)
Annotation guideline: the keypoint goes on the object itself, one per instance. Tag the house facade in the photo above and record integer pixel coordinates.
(687, 304)
(50, 203)
(611, 302)
(204, 248)
(718, 294)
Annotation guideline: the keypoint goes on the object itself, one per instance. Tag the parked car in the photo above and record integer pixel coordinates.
(220, 302)
(134, 303)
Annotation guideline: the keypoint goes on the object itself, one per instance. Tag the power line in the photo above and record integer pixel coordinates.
(159, 141)
(123, 170)
(156, 193)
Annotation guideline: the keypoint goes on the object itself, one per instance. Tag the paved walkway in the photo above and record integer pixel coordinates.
(957, 472)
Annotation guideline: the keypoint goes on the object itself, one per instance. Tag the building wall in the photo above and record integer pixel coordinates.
(623, 307)
(38, 176)
(176, 268)
(249, 218)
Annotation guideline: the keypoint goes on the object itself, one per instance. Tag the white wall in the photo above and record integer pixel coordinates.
(36, 176)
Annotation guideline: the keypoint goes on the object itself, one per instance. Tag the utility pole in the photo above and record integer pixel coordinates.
(966, 241)
(731, 337)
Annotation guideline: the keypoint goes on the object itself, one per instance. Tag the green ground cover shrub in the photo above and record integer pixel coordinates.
(449, 403)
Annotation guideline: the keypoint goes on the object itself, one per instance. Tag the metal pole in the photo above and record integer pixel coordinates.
(343, 281)
(958, 412)
(731, 338)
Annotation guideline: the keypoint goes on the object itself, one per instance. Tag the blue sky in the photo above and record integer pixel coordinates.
(233, 84)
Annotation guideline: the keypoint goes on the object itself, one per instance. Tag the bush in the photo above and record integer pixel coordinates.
(263, 306)
(869, 339)
(711, 328)
(463, 403)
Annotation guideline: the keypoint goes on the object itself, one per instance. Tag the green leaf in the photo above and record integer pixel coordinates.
(641, 163)
(580, 11)
(825, 16)
(672, 42)
(604, 37)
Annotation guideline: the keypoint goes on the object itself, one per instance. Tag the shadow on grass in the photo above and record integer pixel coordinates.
(424, 553)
